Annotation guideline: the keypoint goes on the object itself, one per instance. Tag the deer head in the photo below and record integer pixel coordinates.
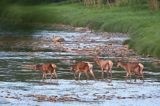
(119, 62)
(37, 67)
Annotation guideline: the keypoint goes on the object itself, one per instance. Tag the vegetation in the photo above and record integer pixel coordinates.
(138, 18)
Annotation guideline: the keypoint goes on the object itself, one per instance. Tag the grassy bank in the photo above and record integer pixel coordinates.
(140, 23)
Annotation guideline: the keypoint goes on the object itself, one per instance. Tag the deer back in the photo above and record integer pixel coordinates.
(81, 66)
(46, 67)
(105, 63)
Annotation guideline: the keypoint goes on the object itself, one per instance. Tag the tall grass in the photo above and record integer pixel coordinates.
(139, 22)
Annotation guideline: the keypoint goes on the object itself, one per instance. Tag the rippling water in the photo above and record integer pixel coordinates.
(17, 80)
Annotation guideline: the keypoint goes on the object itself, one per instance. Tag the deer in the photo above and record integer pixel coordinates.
(105, 66)
(82, 67)
(46, 68)
(132, 69)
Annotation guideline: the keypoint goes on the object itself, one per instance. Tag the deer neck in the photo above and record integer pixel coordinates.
(98, 61)
(123, 65)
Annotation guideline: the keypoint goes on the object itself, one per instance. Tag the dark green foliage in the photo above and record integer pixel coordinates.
(29, 2)
(25, 17)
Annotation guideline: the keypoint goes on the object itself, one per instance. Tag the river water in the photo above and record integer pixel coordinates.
(20, 85)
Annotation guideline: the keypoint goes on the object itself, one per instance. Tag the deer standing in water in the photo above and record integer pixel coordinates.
(83, 67)
(47, 68)
(132, 68)
(105, 66)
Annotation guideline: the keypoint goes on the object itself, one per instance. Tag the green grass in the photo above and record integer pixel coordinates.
(141, 24)
(24, 17)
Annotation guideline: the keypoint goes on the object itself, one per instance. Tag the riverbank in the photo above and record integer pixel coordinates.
(141, 24)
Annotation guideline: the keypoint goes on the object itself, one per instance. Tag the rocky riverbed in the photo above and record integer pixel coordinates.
(20, 85)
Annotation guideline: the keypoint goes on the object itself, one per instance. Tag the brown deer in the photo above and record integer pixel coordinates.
(105, 66)
(132, 69)
(82, 67)
(46, 68)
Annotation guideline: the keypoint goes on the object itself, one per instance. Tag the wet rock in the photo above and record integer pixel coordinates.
(82, 29)
(130, 97)
(58, 39)
(52, 99)
(12, 97)
(104, 97)
(42, 98)
(120, 97)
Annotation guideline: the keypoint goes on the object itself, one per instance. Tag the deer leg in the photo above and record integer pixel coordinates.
(142, 78)
(55, 74)
(87, 75)
(129, 73)
(141, 75)
(130, 77)
(110, 72)
(44, 75)
(79, 76)
(127, 76)
(108, 76)
(51, 75)
(107, 73)
(91, 72)
(102, 75)
(135, 78)
(75, 76)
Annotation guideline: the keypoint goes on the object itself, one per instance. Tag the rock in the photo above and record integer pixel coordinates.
(58, 39)
(120, 97)
(82, 29)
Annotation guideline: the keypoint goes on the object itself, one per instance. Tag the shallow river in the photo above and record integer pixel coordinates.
(21, 86)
